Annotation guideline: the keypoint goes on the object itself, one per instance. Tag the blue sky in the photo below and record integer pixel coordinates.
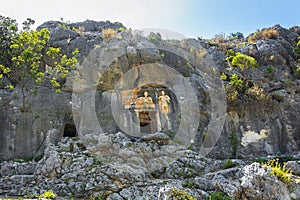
(191, 18)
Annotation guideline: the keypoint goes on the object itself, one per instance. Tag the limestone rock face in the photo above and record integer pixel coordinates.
(258, 183)
(84, 36)
(26, 134)
(253, 126)
(294, 166)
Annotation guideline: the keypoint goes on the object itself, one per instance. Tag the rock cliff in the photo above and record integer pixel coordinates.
(109, 158)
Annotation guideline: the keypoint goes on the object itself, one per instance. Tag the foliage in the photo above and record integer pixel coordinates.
(244, 61)
(234, 143)
(236, 82)
(108, 33)
(190, 148)
(297, 49)
(265, 34)
(280, 159)
(8, 29)
(180, 195)
(279, 170)
(218, 196)
(122, 29)
(99, 197)
(48, 195)
(240, 60)
(283, 159)
(211, 43)
(224, 42)
(237, 35)
(80, 30)
(27, 49)
(260, 160)
(229, 55)
(270, 69)
(189, 184)
(154, 37)
(228, 164)
(223, 77)
(231, 93)
(96, 161)
(296, 69)
(235, 86)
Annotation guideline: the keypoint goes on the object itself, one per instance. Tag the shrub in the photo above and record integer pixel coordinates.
(215, 44)
(220, 38)
(229, 55)
(223, 77)
(235, 87)
(234, 143)
(80, 30)
(260, 160)
(189, 183)
(258, 92)
(237, 35)
(269, 34)
(231, 93)
(180, 195)
(265, 34)
(190, 148)
(240, 60)
(154, 37)
(270, 69)
(236, 82)
(224, 46)
(99, 197)
(279, 170)
(244, 61)
(228, 164)
(108, 33)
(48, 195)
(297, 49)
(218, 196)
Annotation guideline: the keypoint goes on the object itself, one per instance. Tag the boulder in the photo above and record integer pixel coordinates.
(258, 183)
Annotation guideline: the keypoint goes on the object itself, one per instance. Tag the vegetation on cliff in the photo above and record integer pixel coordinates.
(21, 62)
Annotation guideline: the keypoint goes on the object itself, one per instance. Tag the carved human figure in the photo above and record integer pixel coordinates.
(164, 102)
(144, 102)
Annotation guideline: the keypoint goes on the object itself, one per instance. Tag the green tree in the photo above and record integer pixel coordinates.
(237, 35)
(8, 29)
(27, 49)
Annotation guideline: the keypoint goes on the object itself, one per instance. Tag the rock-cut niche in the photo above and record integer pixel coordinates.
(69, 129)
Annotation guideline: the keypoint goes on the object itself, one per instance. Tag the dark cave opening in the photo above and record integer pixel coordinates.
(70, 130)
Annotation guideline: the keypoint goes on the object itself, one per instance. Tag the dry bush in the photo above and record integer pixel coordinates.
(257, 92)
(108, 33)
(270, 34)
(265, 34)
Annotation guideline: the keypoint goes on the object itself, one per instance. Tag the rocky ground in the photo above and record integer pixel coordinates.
(72, 172)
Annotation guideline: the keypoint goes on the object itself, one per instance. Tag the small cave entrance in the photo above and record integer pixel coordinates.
(70, 130)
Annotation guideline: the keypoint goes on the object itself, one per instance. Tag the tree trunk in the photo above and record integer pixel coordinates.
(23, 99)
